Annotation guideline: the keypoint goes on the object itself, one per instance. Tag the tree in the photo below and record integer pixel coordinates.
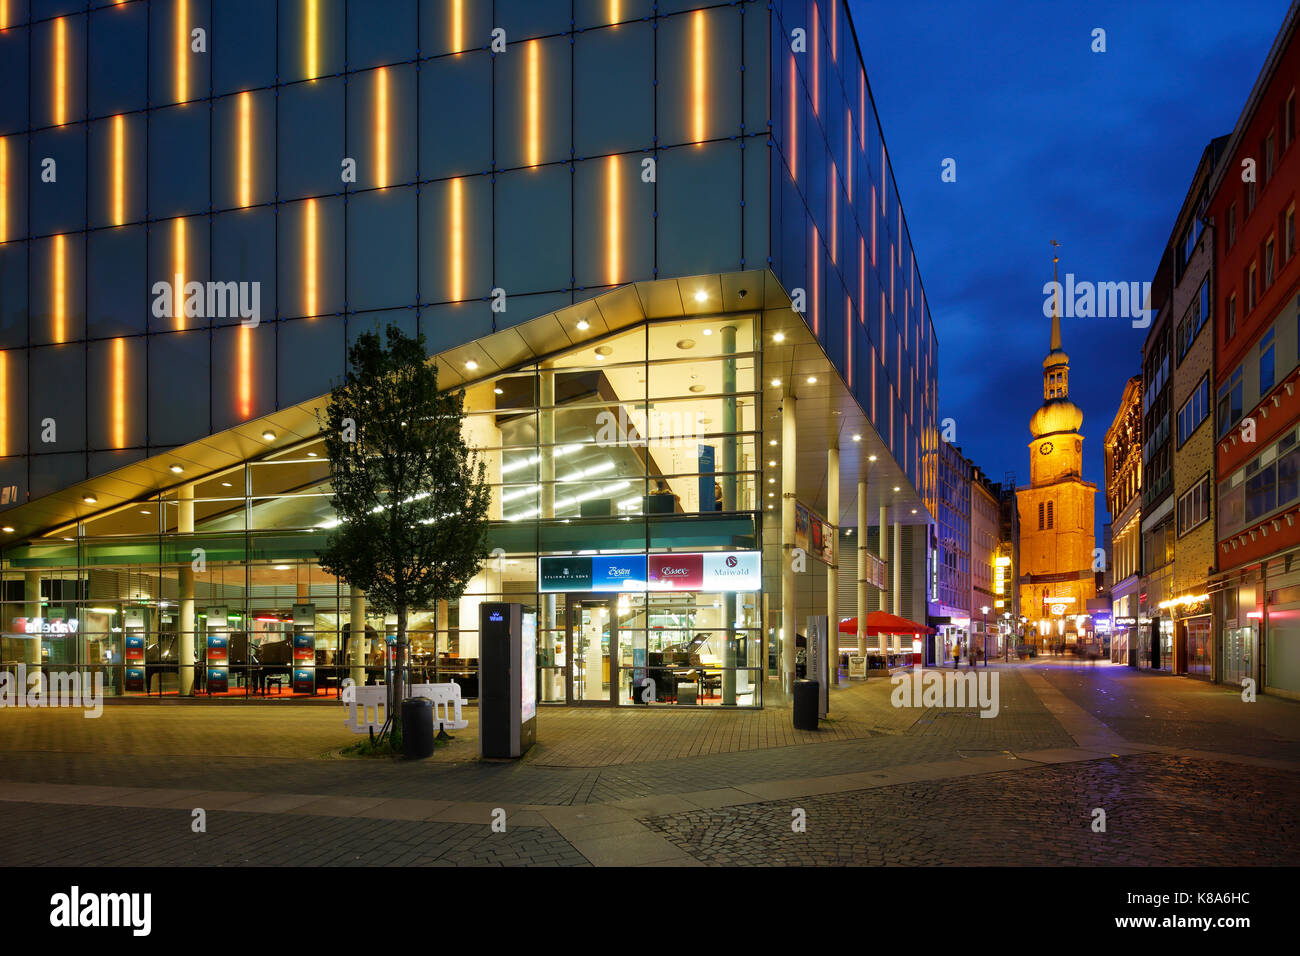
(410, 496)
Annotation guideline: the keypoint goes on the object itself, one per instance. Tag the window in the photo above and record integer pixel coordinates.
(1266, 363)
(1269, 144)
(1288, 121)
(1252, 290)
(1232, 317)
(1194, 410)
(1194, 320)
(1040, 516)
(1288, 235)
(1250, 198)
(1230, 403)
(1049, 514)
(1268, 262)
(1194, 506)
(1232, 224)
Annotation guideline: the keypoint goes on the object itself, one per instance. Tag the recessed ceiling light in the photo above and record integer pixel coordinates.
(701, 296)
(268, 435)
(176, 469)
(771, 463)
(772, 441)
(312, 454)
(686, 343)
(769, 507)
(771, 481)
(89, 499)
(603, 350)
(583, 325)
(144, 512)
(778, 337)
(871, 458)
(697, 388)
(771, 494)
(708, 331)
(812, 379)
(498, 391)
(895, 487)
(776, 383)
(913, 511)
(471, 364)
(282, 567)
(8, 529)
(857, 438)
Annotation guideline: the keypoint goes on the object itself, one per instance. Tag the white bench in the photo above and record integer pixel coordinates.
(447, 704)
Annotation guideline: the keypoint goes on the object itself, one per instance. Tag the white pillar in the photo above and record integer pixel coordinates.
(546, 439)
(185, 637)
(832, 570)
(882, 545)
(864, 556)
(357, 635)
(898, 579)
(789, 608)
(32, 608)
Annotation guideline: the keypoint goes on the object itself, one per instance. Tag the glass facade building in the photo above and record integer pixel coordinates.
(202, 204)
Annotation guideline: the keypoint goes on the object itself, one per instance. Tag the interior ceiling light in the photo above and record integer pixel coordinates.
(583, 325)
(144, 512)
(312, 454)
(871, 458)
(282, 567)
(471, 365)
(708, 331)
(701, 296)
(89, 499)
(175, 469)
(812, 379)
(895, 487)
(913, 511)
(268, 435)
(857, 438)
(778, 337)
(771, 463)
(225, 484)
(498, 390)
(772, 441)
(8, 529)
(776, 383)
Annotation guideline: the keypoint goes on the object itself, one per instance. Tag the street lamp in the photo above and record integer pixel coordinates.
(984, 616)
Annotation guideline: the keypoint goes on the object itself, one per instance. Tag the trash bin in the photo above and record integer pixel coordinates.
(417, 728)
(807, 697)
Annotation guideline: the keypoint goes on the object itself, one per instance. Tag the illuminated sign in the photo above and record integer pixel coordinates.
(41, 625)
(710, 571)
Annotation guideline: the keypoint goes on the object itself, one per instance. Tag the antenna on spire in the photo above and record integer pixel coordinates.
(1056, 299)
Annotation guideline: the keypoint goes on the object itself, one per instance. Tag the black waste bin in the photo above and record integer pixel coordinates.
(807, 698)
(417, 728)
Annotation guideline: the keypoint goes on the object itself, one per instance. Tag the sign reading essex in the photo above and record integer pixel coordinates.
(710, 571)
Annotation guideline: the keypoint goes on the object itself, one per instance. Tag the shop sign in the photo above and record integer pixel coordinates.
(713, 571)
(734, 571)
(619, 572)
(1125, 621)
(676, 572)
(41, 625)
(564, 574)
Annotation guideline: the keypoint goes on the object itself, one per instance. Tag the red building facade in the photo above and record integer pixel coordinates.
(1255, 593)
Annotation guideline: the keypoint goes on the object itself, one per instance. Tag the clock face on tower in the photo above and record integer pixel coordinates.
(1045, 448)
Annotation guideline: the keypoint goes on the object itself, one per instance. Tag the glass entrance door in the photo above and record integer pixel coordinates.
(594, 648)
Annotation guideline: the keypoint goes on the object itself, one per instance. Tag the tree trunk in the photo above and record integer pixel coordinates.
(399, 664)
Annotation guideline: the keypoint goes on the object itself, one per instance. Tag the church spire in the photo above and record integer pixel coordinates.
(1056, 301)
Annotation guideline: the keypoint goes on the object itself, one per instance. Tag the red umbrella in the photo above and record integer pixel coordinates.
(882, 622)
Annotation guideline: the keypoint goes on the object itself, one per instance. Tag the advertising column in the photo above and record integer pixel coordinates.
(507, 679)
(304, 649)
(133, 649)
(218, 650)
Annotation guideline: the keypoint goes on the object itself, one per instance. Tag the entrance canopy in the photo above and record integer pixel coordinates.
(882, 622)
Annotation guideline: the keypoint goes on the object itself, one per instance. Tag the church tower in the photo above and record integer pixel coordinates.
(1056, 509)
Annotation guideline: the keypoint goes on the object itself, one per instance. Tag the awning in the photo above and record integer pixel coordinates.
(882, 622)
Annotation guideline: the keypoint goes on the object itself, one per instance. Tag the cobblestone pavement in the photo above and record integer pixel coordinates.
(1160, 810)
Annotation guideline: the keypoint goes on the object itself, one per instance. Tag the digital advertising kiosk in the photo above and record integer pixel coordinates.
(507, 701)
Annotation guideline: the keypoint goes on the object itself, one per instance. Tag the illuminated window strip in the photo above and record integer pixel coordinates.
(119, 170)
(119, 393)
(699, 84)
(182, 51)
(456, 267)
(245, 366)
(245, 149)
(533, 99)
(60, 71)
(381, 127)
(59, 290)
(309, 258)
(311, 52)
(614, 221)
(178, 272)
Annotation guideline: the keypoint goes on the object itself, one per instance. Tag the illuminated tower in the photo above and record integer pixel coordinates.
(1056, 508)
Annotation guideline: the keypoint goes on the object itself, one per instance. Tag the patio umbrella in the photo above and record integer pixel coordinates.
(882, 622)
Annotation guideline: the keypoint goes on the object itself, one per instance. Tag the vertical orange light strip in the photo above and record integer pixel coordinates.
(309, 258)
(873, 385)
(457, 270)
(311, 42)
(615, 11)
(697, 70)
(834, 201)
(815, 79)
(119, 393)
(862, 279)
(245, 371)
(835, 30)
(245, 149)
(4, 14)
(60, 71)
(848, 151)
(59, 291)
(533, 99)
(873, 225)
(182, 51)
(457, 25)
(4, 189)
(614, 221)
(862, 110)
(883, 196)
(794, 120)
(848, 339)
(814, 263)
(119, 169)
(178, 272)
(4, 404)
(381, 127)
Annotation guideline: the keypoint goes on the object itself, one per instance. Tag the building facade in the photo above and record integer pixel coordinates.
(1256, 594)
(1057, 537)
(952, 614)
(1124, 503)
(1192, 384)
(984, 541)
(664, 213)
